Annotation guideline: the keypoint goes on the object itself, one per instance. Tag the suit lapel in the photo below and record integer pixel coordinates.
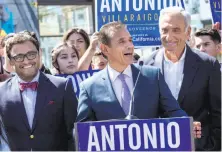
(111, 94)
(191, 66)
(16, 98)
(136, 93)
(42, 94)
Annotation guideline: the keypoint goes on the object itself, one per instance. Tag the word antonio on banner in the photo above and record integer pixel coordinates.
(133, 11)
(136, 5)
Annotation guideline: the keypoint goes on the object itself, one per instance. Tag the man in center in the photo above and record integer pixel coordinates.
(107, 94)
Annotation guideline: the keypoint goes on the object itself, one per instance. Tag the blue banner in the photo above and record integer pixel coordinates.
(216, 10)
(78, 77)
(170, 134)
(140, 16)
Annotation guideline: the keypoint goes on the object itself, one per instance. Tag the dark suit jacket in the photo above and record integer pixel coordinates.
(97, 100)
(55, 113)
(200, 93)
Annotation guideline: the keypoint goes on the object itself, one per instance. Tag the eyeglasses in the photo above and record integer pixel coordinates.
(30, 56)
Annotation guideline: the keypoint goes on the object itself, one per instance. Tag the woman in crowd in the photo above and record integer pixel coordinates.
(86, 48)
(65, 58)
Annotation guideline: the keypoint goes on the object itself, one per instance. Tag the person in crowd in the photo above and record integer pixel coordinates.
(43, 68)
(209, 41)
(6, 71)
(98, 61)
(79, 38)
(193, 77)
(65, 58)
(107, 94)
(85, 46)
(136, 57)
(38, 110)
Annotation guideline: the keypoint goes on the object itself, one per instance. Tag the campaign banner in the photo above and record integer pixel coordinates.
(140, 16)
(78, 77)
(215, 6)
(18, 15)
(168, 134)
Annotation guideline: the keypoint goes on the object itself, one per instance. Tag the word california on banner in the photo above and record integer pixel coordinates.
(215, 6)
(140, 16)
(78, 77)
(168, 134)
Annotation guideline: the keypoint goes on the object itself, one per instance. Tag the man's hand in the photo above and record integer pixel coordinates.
(197, 129)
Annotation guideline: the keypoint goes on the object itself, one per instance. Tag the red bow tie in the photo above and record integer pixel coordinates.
(31, 85)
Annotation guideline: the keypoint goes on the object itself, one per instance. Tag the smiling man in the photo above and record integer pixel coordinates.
(193, 77)
(107, 94)
(38, 110)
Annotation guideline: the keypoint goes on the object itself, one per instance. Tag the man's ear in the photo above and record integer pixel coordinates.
(188, 33)
(218, 47)
(11, 62)
(103, 48)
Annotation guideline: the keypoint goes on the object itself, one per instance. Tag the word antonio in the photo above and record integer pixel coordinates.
(136, 137)
(136, 5)
(131, 17)
(133, 10)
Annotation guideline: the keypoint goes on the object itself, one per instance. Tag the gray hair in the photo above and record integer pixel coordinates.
(176, 9)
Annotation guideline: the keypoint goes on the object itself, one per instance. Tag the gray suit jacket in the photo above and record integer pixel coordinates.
(98, 101)
(200, 93)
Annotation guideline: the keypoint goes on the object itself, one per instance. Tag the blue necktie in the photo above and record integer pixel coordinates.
(125, 94)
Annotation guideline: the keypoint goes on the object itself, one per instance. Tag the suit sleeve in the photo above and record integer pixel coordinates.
(70, 112)
(215, 104)
(3, 138)
(168, 103)
(85, 111)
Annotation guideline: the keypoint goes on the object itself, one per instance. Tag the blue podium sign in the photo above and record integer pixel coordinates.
(215, 6)
(140, 16)
(168, 134)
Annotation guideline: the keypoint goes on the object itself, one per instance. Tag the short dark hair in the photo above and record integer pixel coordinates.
(107, 30)
(78, 31)
(20, 38)
(212, 33)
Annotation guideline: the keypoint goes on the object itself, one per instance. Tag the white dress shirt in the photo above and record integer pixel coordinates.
(29, 99)
(173, 74)
(116, 82)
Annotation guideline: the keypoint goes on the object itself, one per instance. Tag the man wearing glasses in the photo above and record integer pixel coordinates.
(38, 110)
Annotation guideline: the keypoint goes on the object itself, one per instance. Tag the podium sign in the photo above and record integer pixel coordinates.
(168, 134)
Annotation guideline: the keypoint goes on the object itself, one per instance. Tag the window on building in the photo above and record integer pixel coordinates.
(55, 20)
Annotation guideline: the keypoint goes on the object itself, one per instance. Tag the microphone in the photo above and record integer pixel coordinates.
(130, 115)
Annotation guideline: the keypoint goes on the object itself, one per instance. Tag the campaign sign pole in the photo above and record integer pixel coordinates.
(167, 134)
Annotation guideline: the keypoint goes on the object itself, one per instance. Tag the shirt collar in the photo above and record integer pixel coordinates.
(35, 79)
(181, 59)
(113, 74)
